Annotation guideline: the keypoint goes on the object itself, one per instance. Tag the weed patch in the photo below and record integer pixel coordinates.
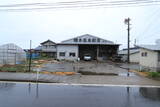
(154, 74)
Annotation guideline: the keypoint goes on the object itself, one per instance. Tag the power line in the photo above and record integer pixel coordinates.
(149, 17)
(78, 2)
(149, 25)
(130, 3)
(82, 7)
(73, 7)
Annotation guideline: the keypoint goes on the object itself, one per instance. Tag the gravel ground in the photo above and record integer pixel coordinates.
(120, 79)
(83, 66)
(105, 67)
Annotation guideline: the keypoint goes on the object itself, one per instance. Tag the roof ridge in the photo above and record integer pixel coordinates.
(87, 35)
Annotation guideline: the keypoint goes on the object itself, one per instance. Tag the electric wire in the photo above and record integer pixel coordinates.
(78, 3)
(144, 34)
(63, 5)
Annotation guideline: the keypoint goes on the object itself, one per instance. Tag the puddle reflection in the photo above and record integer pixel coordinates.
(7, 86)
(45, 95)
(151, 93)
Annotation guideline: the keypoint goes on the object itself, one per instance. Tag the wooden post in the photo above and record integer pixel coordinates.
(97, 52)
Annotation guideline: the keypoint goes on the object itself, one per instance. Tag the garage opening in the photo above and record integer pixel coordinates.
(98, 52)
(87, 50)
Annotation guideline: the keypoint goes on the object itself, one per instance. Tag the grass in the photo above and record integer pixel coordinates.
(14, 68)
(22, 67)
(150, 73)
(154, 74)
(42, 58)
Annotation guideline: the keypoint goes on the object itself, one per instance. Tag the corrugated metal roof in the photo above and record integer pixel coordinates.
(85, 44)
(150, 47)
(38, 48)
(88, 37)
(124, 52)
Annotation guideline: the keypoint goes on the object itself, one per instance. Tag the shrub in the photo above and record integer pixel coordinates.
(154, 74)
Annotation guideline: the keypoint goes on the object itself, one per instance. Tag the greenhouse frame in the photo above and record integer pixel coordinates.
(11, 54)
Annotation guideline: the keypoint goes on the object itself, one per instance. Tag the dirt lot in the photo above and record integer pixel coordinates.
(97, 67)
(110, 69)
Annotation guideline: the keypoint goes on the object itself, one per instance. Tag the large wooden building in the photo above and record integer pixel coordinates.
(78, 47)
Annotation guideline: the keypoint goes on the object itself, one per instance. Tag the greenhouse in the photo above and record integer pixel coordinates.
(11, 54)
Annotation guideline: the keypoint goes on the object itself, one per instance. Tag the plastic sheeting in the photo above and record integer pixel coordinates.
(11, 54)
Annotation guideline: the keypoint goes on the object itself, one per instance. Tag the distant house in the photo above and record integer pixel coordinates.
(134, 54)
(38, 49)
(78, 47)
(11, 54)
(150, 56)
(47, 49)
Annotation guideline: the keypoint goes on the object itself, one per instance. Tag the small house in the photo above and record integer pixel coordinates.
(150, 56)
(47, 49)
(134, 54)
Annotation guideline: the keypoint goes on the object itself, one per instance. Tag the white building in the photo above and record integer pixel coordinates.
(67, 52)
(11, 54)
(98, 48)
(150, 56)
(134, 54)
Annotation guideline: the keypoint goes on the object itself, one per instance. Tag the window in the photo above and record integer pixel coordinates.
(75, 40)
(62, 54)
(84, 40)
(93, 40)
(89, 40)
(98, 40)
(80, 40)
(52, 46)
(72, 54)
(144, 54)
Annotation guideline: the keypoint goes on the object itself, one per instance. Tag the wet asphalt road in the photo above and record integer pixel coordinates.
(48, 95)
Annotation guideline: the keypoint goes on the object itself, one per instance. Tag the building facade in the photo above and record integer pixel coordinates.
(78, 47)
(150, 57)
(67, 52)
(48, 49)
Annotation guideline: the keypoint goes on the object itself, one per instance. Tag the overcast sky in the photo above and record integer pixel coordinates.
(61, 24)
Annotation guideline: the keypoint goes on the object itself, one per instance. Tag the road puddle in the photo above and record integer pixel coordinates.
(49, 95)
(126, 74)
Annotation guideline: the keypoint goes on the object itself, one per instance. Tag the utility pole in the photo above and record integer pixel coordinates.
(127, 22)
(30, 56)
